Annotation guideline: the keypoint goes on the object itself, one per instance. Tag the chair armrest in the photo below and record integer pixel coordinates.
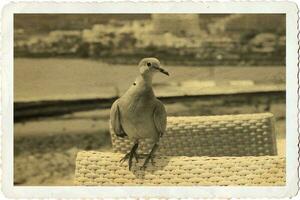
(99, 169)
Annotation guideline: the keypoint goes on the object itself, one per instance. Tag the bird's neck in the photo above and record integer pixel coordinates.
(144, 79)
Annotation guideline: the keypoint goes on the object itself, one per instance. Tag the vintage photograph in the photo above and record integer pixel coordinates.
(149, 99)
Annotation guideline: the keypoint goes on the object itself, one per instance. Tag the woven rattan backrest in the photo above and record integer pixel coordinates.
(224, 135)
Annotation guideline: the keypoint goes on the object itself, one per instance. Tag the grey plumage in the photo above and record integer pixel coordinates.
(138, 114)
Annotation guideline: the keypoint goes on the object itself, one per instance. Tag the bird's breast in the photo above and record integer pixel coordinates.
(137, 115)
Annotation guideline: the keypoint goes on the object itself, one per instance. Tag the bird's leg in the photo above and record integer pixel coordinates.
(144, 155)
(150, 156)
(132, 153)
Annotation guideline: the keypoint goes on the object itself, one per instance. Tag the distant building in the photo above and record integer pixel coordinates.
(177, 24)
(259, 23)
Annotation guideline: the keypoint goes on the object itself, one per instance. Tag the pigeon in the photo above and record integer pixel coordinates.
(138, 114)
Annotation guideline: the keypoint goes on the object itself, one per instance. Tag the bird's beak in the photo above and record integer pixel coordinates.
(162, 71)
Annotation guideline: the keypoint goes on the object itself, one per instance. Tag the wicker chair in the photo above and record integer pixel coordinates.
(211, 150)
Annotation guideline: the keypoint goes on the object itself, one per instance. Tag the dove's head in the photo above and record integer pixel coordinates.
(148, 66)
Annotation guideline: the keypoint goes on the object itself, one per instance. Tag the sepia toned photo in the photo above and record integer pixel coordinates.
(217, 118)
(161, 99)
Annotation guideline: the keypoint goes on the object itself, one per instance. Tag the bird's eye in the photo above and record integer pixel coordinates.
(148, 64)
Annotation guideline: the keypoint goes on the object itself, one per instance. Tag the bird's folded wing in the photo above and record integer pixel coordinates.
(116, 121)
(160, 118)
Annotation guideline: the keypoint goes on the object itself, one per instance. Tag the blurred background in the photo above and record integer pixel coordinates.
(69, 68)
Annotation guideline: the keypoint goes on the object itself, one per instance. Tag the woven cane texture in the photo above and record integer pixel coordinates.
(101, 169)
(225, 135)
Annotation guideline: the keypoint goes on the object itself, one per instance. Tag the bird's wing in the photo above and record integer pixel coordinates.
(115, 120)
(160, 118)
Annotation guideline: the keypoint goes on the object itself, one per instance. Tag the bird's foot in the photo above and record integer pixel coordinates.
(150, 157)
(144, 155)
(129, 156)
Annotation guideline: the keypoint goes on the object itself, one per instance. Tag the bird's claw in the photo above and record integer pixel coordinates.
(148, 158)
(129, 156)
(125, 158)
(135, 155)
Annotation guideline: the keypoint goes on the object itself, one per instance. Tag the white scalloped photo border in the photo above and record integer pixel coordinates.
(288, 8)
